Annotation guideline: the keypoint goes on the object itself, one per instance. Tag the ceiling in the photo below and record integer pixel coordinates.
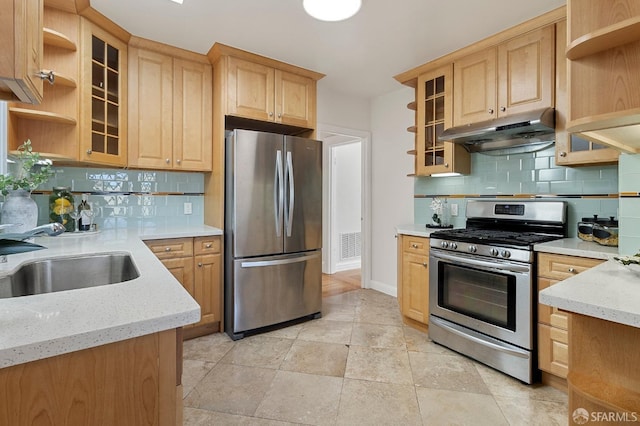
(359, 56)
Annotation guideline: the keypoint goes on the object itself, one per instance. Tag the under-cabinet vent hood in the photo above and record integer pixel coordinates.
(526, 131)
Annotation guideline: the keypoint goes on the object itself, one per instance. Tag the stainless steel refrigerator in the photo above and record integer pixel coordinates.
(273, 230)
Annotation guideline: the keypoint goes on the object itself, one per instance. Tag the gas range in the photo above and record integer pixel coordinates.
(506, 230)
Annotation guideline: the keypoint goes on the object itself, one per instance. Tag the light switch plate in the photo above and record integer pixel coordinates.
(188, 208)
(454, 210)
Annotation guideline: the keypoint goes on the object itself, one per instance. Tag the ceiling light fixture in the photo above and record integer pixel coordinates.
(331, 10)
(177, 1)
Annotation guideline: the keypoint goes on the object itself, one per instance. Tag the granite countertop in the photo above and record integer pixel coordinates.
(609, 291)
(40, 326)
(577, 247)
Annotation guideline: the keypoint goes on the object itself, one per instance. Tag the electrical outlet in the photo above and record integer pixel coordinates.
(188, 208)
(454, 210)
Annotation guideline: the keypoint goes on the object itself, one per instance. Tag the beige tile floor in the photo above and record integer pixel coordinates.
(357, 365)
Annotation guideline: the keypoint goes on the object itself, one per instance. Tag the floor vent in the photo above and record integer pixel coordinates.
(350, 245)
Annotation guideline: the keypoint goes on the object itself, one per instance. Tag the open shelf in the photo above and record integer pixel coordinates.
(62, 80)
(412, 106)
(54, 38)
(619, 130)
(412, 129)
(603, 394)
(618, 34)
(412, 152)
(32, 114)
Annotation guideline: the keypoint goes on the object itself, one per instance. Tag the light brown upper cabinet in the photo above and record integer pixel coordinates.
(261, 92)
(604, 82)
(571, 149)
(170, 108)
(21, 54)
(103, 98)
(434, 110)
(51, 125)
(510, 78)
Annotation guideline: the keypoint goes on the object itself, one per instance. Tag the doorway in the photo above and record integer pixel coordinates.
(346, 201)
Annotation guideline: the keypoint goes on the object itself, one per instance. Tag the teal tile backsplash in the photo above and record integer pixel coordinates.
(629, 175)
(531, 173)
(130, 198)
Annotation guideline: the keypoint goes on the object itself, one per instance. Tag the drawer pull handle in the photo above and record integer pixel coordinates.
(199, 264)
(414, 245)
(425, 264)
(208, 245)
(167, 249)
(572, 270)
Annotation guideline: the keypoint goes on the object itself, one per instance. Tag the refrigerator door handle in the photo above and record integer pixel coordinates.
(262, 263)
(278, 193)
(292, 192)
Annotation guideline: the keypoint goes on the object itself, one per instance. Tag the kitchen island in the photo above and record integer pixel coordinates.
(603, 378)
(112, 351)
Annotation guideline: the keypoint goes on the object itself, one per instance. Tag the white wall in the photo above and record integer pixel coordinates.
(348, 193)
(392, 199)
(342, 110)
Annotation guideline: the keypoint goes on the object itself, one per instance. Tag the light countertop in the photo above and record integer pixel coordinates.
(416, 230)
(577, 247)
(40, 326)
(609, 291)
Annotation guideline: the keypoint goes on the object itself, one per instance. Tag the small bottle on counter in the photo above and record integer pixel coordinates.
(84, 210)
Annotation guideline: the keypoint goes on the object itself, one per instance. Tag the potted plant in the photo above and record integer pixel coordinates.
(29, 172)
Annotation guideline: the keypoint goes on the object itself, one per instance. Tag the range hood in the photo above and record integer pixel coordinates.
(528, 132)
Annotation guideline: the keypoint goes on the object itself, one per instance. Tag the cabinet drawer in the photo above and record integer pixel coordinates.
(418, 245)
(171, 247)
(561, 267)
(206, 245)
(547, 314)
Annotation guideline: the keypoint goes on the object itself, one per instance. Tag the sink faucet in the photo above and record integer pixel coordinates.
(14, 243)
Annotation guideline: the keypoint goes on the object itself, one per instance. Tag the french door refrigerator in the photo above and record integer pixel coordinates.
(273, 230)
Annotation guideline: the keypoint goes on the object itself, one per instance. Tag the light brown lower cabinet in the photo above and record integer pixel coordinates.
(553, 324)
(413, 280)
(131, 382)
(196, 264)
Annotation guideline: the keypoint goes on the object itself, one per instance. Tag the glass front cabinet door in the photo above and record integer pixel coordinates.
(103, 112)
(434, 114)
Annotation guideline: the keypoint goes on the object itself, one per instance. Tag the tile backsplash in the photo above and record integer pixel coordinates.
(587, 190)
(130, 198)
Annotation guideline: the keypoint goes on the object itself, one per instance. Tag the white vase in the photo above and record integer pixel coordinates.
(19, 209)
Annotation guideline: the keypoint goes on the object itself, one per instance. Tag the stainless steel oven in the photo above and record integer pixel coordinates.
(482, 288)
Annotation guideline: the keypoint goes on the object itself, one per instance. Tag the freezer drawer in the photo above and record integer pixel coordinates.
(274, 289)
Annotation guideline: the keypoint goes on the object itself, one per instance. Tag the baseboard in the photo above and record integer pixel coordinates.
(383, 288)
(347, 266)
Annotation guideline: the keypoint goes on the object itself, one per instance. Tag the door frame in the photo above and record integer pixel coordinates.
(349, 135)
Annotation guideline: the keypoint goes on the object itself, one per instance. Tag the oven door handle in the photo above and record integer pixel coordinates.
(474, 262)
(502, 348)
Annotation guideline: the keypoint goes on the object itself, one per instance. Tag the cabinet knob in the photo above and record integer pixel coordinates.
(563, 154)
(414, 245)
(279, 115)
(490, 110)
(167, 249)
(178, 161)
(503, 109)
(49, 76)
(271, 114)
(446, 165)
(89, 152)
(199, 264)
(208, 245)
(167, 161)
(425, 264)
(572, 270)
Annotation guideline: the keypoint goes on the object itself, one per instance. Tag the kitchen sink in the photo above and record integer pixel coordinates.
(68, 273)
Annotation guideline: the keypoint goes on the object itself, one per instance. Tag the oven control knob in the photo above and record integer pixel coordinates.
(506, 254)
(472, 249)
(444, 244)
(454, 246)
(494, 252)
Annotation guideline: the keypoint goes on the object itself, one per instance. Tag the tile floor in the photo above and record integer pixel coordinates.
(358, 365)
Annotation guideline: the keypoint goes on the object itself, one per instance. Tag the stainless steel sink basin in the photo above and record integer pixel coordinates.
(68, 273)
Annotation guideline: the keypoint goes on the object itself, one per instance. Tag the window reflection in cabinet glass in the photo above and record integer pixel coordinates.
(580, 144)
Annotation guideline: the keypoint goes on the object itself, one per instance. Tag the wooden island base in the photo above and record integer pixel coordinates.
(604, 371)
